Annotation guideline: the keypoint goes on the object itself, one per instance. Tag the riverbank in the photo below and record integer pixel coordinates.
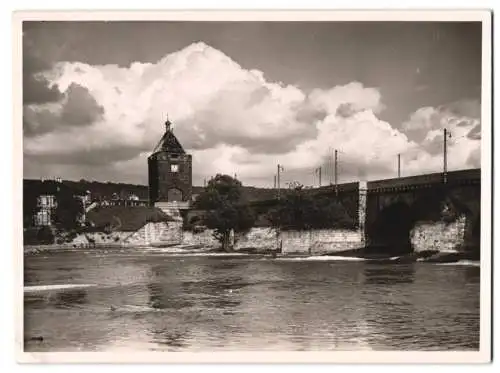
(35, 249)
(431, 256)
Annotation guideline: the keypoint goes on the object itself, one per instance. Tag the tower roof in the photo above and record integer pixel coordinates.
(168, 142)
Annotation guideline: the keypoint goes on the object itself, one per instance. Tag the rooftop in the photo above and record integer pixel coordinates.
(128, 219)
(169, 142)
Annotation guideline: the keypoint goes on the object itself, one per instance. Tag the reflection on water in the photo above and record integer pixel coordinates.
(70, 298)
(172, 339)
(167, 303)
(389, 274)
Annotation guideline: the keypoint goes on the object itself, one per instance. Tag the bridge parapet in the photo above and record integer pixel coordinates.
(462, 177)
(340, 188)
(396, 208)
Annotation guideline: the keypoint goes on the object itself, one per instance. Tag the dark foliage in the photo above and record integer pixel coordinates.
(68, 211)
(225, 208)
(300, 210)
(38, 236)
(45, 236)
(30, 208)
(221, 188)
(108, 190)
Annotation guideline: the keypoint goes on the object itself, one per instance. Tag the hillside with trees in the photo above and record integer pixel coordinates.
(106, 190)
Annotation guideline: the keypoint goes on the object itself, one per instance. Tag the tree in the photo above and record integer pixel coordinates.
(45, 236)
(302, 210)
(30, 207)
(225, 208)
(292, 209)
(68, 211)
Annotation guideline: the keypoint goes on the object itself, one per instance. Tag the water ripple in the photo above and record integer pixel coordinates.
(198, 303)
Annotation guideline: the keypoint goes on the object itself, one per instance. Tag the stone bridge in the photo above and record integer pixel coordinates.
(396, 207)
(396, 216)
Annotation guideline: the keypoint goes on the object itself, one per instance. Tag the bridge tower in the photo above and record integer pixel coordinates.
(170, 173)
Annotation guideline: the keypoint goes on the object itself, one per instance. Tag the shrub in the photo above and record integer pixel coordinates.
(45, 236)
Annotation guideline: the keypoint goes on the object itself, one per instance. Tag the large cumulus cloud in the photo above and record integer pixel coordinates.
(233, 120)
(461, 119)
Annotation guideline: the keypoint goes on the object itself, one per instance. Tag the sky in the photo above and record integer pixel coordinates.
(246, 96)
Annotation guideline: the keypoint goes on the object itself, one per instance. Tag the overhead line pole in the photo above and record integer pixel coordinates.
(399, 165)
(445, 155)
(336, 171)
(280, 168)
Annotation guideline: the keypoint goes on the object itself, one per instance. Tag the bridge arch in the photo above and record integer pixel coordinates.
(390, 232)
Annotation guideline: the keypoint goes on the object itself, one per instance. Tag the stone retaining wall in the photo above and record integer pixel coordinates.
(263, 239)
(438, 235)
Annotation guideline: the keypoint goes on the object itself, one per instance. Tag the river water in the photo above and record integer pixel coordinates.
(154, 301)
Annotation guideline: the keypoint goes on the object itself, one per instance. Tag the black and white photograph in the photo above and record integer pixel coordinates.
(245, 182)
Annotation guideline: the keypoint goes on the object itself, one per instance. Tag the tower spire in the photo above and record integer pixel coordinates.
(168, 125)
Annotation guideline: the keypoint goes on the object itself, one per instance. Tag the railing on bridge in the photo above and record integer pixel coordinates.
(462, 177)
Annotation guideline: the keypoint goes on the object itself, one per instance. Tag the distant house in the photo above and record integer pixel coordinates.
(86, 198)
